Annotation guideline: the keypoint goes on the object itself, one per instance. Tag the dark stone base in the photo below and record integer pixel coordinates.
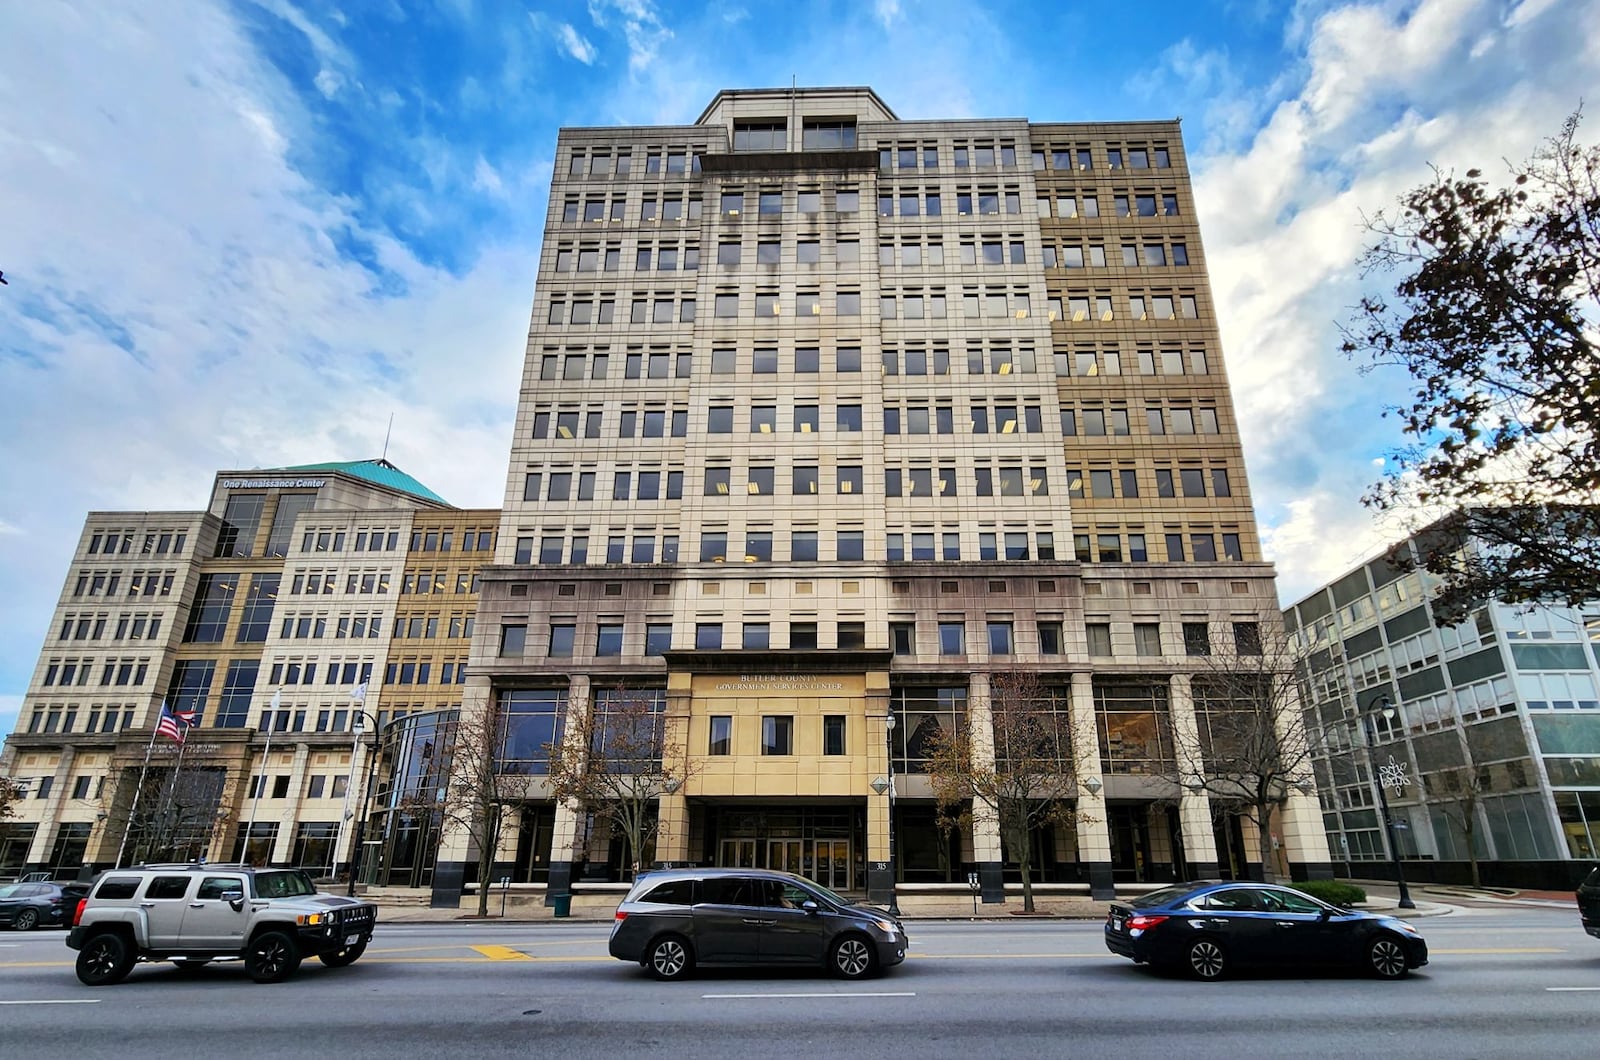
(1204, 870)
(991, 882)
(560, 881)
(1311, 870)
(880, 884)
(448, 878)
(1101, 887)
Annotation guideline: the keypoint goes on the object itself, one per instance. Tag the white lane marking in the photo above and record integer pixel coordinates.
(744, 997)
(65, 1001)
(1569, 989)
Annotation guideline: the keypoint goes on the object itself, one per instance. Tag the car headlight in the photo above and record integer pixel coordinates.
(886, 926)
(313, 919)
(1403, 926)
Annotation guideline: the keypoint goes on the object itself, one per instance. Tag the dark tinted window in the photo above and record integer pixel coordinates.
(1288, 902)
(215, 887)
(118, 887)
(678, 892)
(167, 887)
(733, 890)
(1156, 899)
(1239, 899)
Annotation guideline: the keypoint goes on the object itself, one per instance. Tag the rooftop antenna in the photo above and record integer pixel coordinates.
(384, 459)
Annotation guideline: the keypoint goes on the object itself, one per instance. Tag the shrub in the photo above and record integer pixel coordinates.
(1334, 892)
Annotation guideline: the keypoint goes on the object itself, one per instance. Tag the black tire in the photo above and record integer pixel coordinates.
(670, 958)
(27, 920)
(1206, 960)
(272, 957)
(105, 959)
(1386, 957)
(852, 957)
(341, 958)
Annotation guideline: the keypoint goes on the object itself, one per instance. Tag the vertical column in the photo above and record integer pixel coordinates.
(672, 836)
(1304, 841)
(455, 846)
(878, 749)
(1194, 805)
(987, 850)
(283, 842)
(569, 845)
(1094, 826)
(50, 819)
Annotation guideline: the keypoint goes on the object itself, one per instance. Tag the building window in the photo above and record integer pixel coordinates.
(562, 638)
(777, 734)
(513, 638)
(770, 135)
(1050, 638)
(608, 639)
(1147, 638)
(851, 545)
(1099, 636)
(757, 636)
(952, 638)
(803, 636)
(721, 742)
(903, 638)
(1196, 639)
(852, 636)
(1000, 638)
(833, 734)
(657, 638)
(1247, 638)
(803, 545)
(708, 635)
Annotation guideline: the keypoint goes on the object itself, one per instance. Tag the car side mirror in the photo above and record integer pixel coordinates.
(234, 899)
(810, 907)
(1325, 915)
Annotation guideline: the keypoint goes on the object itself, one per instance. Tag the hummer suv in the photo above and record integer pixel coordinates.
(193, 914)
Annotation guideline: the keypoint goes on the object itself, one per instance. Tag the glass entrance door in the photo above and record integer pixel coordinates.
(830, 863)
(784, 855)
(738, 854)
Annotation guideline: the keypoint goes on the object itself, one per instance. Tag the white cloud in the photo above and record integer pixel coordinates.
(886, 11)
(641, 27)
(328, 82)
(573, 43)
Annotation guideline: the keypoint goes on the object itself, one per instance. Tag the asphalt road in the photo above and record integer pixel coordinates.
(1514, 983)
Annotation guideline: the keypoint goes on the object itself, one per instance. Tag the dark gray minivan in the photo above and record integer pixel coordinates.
(675, 919)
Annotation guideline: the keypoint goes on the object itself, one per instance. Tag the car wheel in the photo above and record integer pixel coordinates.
(669, 958)
(1386, 957)
(340, 958)
(27, 919)
(105, 959)
(1207, 959)
(271, 958)
(852, 958)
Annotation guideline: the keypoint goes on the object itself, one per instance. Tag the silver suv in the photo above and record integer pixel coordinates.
(193, 914)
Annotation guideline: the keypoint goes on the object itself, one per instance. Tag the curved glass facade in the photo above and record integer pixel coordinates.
(416, 748)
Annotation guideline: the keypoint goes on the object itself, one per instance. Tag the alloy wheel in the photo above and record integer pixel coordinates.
(669, 959)
(27, 920)
(852, 958)
(1388, 958)
(1206, 959)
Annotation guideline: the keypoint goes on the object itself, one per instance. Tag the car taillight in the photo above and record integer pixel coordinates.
(1144, 923)
(77, 914)
(621, 915)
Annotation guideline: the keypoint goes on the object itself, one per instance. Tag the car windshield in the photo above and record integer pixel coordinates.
(283, 885)
(829, 895)
(1165, 896)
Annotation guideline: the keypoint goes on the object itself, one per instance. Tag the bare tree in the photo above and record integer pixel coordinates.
(1456, 793)
(616, 761)
(11, 793)
(1020, 771)
(167, 812)
(1249, 750)
(474, 787)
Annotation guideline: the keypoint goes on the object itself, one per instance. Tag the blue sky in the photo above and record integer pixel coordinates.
(243, 234)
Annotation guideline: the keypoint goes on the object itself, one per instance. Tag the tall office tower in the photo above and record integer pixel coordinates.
(827, 418)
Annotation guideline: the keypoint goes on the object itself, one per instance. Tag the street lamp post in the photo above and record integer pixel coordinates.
(886, 787)
(1382, 705)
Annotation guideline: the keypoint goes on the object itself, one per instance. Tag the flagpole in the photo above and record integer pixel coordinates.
(358, 697)
(172, 781)
(134, 809)
(255, 803)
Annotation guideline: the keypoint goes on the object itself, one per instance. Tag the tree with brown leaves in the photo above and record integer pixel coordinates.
(1017, 771)
(616, 761)
(1493, 315)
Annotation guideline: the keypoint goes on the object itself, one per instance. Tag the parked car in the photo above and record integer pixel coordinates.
(1589, 902)
(25, 906)
(1210, 928)
(674, 920)
(193, 914)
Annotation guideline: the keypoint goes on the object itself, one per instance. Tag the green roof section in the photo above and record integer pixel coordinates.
(379, 473)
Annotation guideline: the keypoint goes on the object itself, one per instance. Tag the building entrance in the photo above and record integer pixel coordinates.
(821, 845)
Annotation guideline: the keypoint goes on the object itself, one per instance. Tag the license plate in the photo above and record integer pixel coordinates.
(351, 940)
(1116, 923)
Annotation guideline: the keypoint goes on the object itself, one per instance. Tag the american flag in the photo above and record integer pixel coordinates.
(186, 716)
(167, 725)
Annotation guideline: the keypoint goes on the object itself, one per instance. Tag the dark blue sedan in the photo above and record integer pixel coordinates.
(25, 906)
(1209, 928)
